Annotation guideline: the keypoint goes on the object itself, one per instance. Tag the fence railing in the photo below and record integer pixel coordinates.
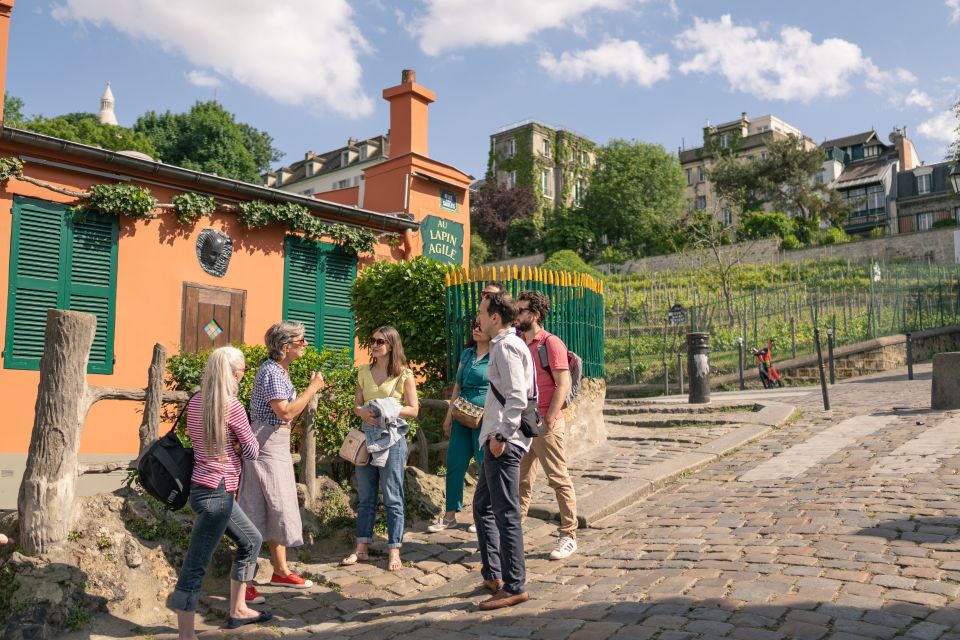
(576, 309)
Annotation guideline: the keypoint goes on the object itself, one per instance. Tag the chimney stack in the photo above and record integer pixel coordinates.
(6, 6)
(409, 107)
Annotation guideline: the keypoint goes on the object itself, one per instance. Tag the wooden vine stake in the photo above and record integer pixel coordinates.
(46, 499)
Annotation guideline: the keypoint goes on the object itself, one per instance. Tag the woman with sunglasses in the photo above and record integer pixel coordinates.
(386, 376)
(472, 384)
(268, 489)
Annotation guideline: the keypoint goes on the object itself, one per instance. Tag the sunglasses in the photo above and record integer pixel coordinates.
(300, 341)
(378, 342)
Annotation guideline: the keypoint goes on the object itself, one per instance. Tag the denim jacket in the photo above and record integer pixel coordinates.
(388, 429)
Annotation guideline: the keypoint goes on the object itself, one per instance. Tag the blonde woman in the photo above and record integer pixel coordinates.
(387, 376)
(220, 432)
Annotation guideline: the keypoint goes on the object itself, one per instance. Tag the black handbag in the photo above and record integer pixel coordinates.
(165, 469)
(531, 422)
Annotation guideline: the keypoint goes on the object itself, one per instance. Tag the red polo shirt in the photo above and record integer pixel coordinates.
(556, 357)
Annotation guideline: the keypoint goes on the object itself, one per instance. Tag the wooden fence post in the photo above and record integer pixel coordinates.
(150, 427)
(46, 499)
(308, 452)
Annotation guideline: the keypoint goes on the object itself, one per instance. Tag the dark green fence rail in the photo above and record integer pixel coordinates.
(576, 309)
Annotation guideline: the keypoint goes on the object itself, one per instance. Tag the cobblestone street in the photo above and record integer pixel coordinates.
(856, 536)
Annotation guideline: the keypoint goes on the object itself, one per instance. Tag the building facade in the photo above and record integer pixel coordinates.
(341, 168)
(745, 138)
(925, 197)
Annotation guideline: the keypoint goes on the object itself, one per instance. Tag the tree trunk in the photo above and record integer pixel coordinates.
(308, 451)
(150, 427)
(46, 499)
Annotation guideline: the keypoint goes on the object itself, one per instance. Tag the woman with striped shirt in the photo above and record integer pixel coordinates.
(221, 434)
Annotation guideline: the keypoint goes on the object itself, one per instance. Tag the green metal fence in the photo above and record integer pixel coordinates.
(576, 309)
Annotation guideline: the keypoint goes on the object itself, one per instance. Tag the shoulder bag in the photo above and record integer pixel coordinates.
(354, 447)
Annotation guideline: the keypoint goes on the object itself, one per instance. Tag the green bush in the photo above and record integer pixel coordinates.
(755, 225)
(335, 409)
(524, 237)
(833, 235)
(877, 232)
(479, 251)
(566, 260)
(410, 295)
(946, 222)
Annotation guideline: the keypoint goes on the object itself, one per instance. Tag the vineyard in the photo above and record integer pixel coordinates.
(781, 303)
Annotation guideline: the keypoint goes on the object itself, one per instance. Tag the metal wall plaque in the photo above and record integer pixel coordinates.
(214, 249)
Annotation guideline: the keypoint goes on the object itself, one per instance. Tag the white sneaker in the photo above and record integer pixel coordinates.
(564, 549)
(442, 524)
(472, 528)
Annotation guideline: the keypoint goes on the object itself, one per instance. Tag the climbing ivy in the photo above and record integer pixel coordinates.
(122, 199)
(10, 167)
(190, 207)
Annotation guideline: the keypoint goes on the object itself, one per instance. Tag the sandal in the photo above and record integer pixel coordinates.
(353, 559)
(394, 564)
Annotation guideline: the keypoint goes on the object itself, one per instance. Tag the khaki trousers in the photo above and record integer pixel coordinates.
(547, 449)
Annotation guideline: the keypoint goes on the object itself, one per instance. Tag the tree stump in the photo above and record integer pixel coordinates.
(150, 427)
(308, 452)
(46, 499)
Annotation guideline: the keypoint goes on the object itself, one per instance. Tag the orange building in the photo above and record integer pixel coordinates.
(144, 278)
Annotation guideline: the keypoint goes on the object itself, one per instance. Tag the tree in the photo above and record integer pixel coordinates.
(954, 152)
(494, 206)
(12, 110)
(86, 128)
(208, 138)
(635, 197)
(568, 229)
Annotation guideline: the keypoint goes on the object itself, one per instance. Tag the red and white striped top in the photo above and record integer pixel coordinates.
(209, 471)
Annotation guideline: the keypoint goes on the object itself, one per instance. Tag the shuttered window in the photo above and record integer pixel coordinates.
(317, 279)
(65, 261)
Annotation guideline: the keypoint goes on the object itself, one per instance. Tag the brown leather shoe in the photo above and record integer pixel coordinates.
(493, 586)
(503, 599)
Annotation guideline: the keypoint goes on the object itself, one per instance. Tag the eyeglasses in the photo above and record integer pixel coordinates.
(377, 342)
(488, 294)
(300, 341)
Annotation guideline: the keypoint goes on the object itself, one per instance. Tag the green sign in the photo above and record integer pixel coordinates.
(442, 240)
(448, 200)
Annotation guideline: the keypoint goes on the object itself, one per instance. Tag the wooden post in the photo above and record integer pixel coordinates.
(46, 499)
(308, 452)
(150, 427)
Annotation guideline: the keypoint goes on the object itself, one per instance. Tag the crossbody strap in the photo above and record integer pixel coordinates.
(186, 405)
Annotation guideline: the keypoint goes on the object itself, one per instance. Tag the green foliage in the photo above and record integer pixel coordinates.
(568, 229)
(940, 224)
(12, 110)
(190, 207)
(410, 296)
(258, 213)
(877, 232)
(755, 225)
(523, 237)
(479, 251)
(567, 260)
(8, 587)
(954, 152)
(833, 235)
(122, 199)
(10, 167)
(86, 128)
(635, 197)
(208, 138)
(79, 617)
(335, 409)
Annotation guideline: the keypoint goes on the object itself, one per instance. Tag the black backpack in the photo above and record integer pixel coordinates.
(165, 469)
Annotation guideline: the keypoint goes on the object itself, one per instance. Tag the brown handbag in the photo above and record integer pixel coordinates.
(354, 448)
(467, 413)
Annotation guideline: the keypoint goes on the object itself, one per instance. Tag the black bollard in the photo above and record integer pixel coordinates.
(740, 364)
(833, 379)
(680, 371)
(909, 356)
(666, 380)
(698, 367)
(823, 378)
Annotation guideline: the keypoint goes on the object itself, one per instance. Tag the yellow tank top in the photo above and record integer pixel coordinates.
(372, 391)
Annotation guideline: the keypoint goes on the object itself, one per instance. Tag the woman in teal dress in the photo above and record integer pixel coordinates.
(472, 384)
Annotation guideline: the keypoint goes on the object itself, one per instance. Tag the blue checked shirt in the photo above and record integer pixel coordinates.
(270, 383)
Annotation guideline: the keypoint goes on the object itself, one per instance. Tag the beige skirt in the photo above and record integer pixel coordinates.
(268, 488)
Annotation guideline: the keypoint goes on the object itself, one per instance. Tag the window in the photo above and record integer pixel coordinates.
(923, 183)
(925, 221)
(511, 148)
(819, 178)
(724, 140)
(60, 261)
(871, 151)
(578, 190)
(689, 173)
(511, 179)
(727, 216)
(545, 183)
(317, 279)
(956, 214)
(308, 169)
(363, 152)
(344, 158)
(342, 184)
(546, 147)
(701, 202)
(876, 201)
(857, 199)
(700, 175)
(584, 158)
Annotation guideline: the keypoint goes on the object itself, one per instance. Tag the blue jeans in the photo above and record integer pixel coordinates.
(463, 446)
(496, 512)
(389, 479)
(217, 513)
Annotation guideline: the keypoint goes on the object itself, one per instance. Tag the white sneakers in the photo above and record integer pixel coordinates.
(443, 524)
(564, 549)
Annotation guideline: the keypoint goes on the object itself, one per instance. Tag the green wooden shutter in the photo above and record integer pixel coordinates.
(36, 245)
(93, 280)
(64, 263)
(317, 280)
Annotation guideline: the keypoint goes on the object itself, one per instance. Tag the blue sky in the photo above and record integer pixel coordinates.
(310, 72)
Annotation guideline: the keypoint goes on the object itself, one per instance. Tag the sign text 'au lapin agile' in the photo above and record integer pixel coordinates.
(442, 239)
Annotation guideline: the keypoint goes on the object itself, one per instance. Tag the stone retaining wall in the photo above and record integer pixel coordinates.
(585, 425)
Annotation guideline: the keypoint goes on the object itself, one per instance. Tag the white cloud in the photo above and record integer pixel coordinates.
(941, 127)
(919, 98)
(954, 6)
(200, 78)
(793, 67)
(458, 24)
(625, 60)
(296, 51)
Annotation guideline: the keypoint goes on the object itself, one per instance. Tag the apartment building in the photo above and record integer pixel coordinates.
(331, 170)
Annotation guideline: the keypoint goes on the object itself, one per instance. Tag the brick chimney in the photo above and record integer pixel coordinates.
(6, 6)
(909, 158)
(409, 106)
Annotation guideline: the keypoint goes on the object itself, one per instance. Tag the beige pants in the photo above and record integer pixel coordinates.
(547, 449)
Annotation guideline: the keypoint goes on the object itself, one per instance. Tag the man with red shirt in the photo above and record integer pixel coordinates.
(553, 384)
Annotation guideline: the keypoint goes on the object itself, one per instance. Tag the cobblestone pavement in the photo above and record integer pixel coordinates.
(854, 546)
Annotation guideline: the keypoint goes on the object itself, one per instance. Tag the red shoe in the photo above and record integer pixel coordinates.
(253, 596)
(291, 580)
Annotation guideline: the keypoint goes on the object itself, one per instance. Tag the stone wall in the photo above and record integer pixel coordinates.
(585, 425)
(936, 246)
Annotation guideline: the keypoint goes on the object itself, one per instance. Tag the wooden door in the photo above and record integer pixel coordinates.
(212, 317)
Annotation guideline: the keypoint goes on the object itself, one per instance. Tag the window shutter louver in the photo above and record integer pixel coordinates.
(338, 321)
(93, 269)
(300, 290)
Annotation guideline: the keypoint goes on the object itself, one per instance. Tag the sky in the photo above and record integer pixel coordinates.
(311, 72)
